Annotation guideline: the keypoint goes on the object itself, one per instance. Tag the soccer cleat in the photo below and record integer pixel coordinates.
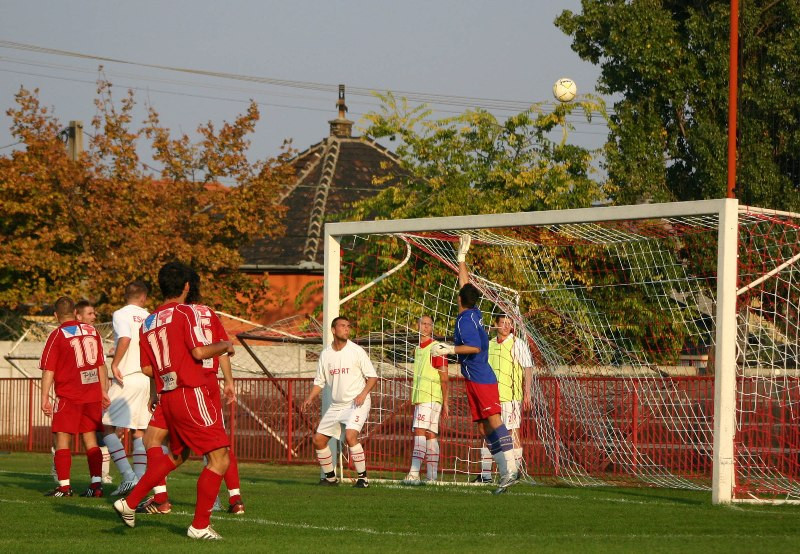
(412, 480)
(217, 507)
(482, 479)
(325, 482)
(125, 487)
(236, 508)
(505, 482)
(207, 534)
(125, 512)
(93, 492)
(362, 483)
(150, 506)
(59, 491)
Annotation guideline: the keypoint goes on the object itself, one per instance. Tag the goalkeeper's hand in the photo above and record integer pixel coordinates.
(443, 349)
(463, 247)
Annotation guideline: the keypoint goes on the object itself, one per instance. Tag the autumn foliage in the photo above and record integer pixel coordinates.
(87, 227)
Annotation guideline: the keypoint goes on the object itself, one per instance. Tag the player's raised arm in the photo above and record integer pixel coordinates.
(463, 247)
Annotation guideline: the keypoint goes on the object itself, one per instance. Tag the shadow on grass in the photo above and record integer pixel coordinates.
(648, 494)
(27, 481)
(115, 525)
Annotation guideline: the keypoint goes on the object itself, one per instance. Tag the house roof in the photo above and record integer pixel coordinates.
(331, 176)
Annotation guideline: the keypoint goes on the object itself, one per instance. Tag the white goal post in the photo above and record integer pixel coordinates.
(616, 243)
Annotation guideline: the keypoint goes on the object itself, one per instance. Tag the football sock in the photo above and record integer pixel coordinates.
(157, 470)
(95, 459)
(518, 457)
(325, 460)
(418, 453)
(232, 479)
(359, 459)
(117, 453)
(139, 458)
(63, 461)
(106, 460)
(207, 491)
(160, 489)
(502, 448)
(486, 463)
(432, 459)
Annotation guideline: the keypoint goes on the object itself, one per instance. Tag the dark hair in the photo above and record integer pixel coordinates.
(194, 296)
(339, 318)
(172, 277)
(469, 295)
(81, 304)
(64, 306)
(498, 316)
(136, 288)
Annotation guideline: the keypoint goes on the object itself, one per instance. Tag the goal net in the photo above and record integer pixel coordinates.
(663, 338)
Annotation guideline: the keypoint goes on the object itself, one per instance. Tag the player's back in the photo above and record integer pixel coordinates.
(127, 321)
(167, 339)
(73, 352)
(213, 331)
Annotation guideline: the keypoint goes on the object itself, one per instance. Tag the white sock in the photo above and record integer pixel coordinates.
(486, 463)
(359, 458)
(418, 454)
(233, 492)
(117, 453)
(432, 460)
(518, 457)
(511, 462)
(325, 460)
(139, 457)
(501, 460)
(106, 461)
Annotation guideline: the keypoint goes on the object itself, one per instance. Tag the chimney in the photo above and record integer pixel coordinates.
(341, 127)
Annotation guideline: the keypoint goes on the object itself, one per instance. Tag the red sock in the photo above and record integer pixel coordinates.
(157, 470)
(207, 491)
(232, 478)
(63, 461)
(152, 455)
(95, 458)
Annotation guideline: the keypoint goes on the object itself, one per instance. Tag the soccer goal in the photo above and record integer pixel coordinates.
(664, 337)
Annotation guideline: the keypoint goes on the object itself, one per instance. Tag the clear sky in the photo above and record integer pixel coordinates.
(497, 50)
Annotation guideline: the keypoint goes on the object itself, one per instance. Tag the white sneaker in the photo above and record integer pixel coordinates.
(506, 481)
(412, 480)
(125, 512)
(217, 507)
(206, 534)
(125, 487)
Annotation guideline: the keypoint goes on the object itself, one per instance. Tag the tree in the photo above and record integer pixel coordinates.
(667, 62)
(87, 227)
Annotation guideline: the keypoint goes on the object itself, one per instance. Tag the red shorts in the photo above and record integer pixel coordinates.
(193, 420)
(77, 417)
(484, 400)
(157, 419)
(213, 390)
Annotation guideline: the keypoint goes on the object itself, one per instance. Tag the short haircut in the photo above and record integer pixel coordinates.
(172, 277)
(499, 316)
(423, 316)
(64, 306)
(339, 318)
(194, 296)
(136, 289)
(469, 295)
(81, 305)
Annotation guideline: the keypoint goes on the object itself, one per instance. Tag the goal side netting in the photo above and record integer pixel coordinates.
(620, 310)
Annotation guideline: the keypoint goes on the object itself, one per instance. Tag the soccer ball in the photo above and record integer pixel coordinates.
(565, 90)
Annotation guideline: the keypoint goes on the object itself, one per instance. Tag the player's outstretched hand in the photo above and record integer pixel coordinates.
(443, 349)
(463, 247)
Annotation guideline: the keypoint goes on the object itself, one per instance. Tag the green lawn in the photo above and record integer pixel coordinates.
(287, 512)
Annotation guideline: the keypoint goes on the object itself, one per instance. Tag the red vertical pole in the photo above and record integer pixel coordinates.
(635, 427)
(556, 421)
(290, 430)
(232, 423)
(30, 415)
(733, 84)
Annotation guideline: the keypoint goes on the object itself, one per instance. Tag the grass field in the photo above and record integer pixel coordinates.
(287, 512)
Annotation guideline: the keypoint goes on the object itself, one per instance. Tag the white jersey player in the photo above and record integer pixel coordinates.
(130, 389)
(344, 368)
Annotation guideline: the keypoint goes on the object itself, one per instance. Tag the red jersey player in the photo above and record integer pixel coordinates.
(157, 430)
(70, 359)
(173, 344)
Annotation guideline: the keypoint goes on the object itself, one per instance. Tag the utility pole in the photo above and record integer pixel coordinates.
(74, 139)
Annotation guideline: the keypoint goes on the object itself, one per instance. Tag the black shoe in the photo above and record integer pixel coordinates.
(482, 479)
(362, 483)
(325, 482)
(59, 491)
(93, 492)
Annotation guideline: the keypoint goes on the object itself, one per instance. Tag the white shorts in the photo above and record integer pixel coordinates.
(352, 417)
(130, 402)
(512, 414)
(426, 416)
